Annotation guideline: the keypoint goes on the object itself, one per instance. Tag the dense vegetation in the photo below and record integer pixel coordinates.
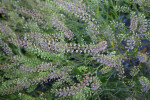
(74, 49)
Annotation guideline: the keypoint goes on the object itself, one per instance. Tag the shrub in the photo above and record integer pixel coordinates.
(74, 49)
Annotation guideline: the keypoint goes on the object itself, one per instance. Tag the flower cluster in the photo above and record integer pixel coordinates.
(145, 83)
(39, 68)
(87, 81)
(133, 22)
(20, 42)
(122, 9)
(48, 77)
(45, 42)
(36, 15)
(120, 70)
(6, 48)
(140, 2)
(143, 24)
(61, 26)
(117, 24)
(93, 28)
(135, 70)
(6, 31)
(109, 32)
(131, 41)
(35, 40)
(66, 91)
(101, 46)
(81, 14)
(119, 29)
(95, 85)
(109, 60)
(10, 90)
(139, 23)
(42, 42)
(93, 49)
(112, 61)
(142, 57)
(16, 85)
(83, 6)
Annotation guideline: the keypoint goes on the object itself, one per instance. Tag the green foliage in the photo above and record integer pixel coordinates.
(74, 49)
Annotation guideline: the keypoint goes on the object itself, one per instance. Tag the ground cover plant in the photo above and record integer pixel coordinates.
(74, 49)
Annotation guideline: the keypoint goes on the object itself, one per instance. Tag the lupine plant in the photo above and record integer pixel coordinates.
(74, 49)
